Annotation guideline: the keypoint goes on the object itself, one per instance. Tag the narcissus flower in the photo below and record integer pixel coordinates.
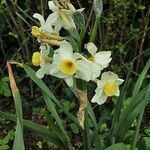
(45, 33)
(67, 64)
(45, 24)
(106, 87)
(41, 59)
(100, 60)
(61, 17)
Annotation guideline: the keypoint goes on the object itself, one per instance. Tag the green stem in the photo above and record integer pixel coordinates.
(94, 31)
(86, 133)
(80, 39)
(137, 130)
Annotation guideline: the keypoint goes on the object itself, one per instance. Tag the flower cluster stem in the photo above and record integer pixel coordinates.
(94, 31)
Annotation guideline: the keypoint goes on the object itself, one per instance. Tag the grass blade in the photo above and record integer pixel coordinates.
(45, 89)
(52, 109)
(18, 141)
(120, 100)
(141, 78)
(129, 115)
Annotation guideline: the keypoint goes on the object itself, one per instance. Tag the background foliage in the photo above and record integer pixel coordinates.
(124, 28)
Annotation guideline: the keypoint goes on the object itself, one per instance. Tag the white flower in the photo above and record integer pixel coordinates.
(44, 62)
(100, 60)
(106, 87)
(60, 17)
(67, 64)
(45, 25)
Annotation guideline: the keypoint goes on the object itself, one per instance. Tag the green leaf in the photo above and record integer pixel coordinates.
(45, 89)
(141, 7)
(145, 144)
(52, 109)
(18, 141)
(79, 20)
(119, 146)
(98, 7)
(4, 87)
(141, 78)
(73, 43)
(134, 108)
(74, 128)
(120, 100)
(98, 140)
(4, 147)
(74, 33)
(48, 97)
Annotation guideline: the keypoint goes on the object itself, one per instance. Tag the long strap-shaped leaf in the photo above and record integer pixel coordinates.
(31, 73)
(48, 97)
(18, 141)
(52, 109)
(132, 111)
(98, 140)
(141, 78)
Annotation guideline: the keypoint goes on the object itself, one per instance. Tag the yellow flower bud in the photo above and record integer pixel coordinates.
(36, 58)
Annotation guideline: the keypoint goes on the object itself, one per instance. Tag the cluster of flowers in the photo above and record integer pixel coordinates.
(65, 63)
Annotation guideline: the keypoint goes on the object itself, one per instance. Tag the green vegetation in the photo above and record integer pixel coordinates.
(44, 113)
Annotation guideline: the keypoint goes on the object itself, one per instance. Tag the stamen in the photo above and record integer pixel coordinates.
(110, 88)
(68, 67)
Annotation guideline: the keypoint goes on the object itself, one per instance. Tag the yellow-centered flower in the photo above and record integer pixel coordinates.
(42, 60)
(106, 87)
(100, 60)
(67, 64)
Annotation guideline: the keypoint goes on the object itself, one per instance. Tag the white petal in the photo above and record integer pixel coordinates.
(47, 28)
(59, 75)
(119, 81)
(102, 99)
(58, 26)
(40, 73)
(69, 81)
(52, 18)
(117, 93)
(100, 86)
(109, 76)
(42, 47)
(92, 49)
(67, 19)
(52, 6)
(79, 56)
(80, 10)
(44, 52)
(84, 70)
(103, 58)
(71, 7)
(54, 68)
(66, 50)
(99, 98)
(96, 70)
(40, 18)
(42, 64)
(47, 69)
